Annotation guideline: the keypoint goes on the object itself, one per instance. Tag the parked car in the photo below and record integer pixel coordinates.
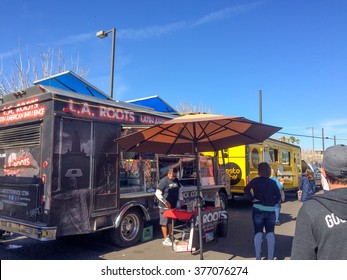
(315, 169)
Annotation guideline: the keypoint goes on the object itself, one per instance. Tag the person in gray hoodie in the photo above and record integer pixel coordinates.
(321, 225)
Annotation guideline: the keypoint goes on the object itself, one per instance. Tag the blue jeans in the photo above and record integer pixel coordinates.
(278, 211)
(263, 219)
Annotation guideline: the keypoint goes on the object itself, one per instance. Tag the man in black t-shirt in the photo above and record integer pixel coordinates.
(168, 193)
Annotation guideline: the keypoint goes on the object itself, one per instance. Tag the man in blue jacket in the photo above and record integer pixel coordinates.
(321, 225)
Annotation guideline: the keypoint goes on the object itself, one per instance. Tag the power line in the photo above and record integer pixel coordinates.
(310, 136)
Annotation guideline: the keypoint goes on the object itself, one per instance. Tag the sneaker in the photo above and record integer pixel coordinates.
(167, 242)
(278, 223)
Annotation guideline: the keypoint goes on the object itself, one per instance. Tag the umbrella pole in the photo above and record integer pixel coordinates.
(198, 177)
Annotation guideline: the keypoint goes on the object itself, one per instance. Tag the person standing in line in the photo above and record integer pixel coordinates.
(321, 225)
(264, 194)
(168, 194)
(278, 205)
(307, 185)
(324, 182)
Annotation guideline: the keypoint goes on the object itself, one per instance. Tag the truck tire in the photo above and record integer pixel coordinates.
(130, 229)
(223, 200)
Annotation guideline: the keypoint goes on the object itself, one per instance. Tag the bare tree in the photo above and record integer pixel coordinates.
(312, 156)
(186, 107)
(27, 70)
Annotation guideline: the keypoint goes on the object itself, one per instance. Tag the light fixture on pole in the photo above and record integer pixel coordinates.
(103, 34)
(312, 136)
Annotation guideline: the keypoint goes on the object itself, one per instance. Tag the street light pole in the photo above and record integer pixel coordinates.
(260, 106)
(103, 34)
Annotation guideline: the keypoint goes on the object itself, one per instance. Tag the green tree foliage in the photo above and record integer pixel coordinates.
(291, 140)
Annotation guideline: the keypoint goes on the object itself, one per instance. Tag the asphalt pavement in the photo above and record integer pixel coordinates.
(238, 245)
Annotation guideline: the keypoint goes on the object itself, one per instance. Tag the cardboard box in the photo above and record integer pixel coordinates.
(181, 246)
(186, 237)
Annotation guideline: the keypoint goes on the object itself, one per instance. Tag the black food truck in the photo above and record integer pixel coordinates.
(62, 173)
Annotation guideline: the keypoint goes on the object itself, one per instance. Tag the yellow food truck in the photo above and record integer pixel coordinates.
(241, 163)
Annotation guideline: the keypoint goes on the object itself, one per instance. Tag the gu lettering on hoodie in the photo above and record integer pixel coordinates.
(321, 228)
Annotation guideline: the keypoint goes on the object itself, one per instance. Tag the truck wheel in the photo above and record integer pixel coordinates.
(223, 200)
(130, 229)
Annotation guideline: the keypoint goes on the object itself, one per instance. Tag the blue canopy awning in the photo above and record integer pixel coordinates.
(156, 103)
(70, 81)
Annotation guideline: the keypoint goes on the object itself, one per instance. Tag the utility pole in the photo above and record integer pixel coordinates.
(312, 136)
(260, 106)
(323, 139)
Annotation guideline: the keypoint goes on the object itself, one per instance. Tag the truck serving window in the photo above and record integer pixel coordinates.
(20, 151)
(285, 157)
(137, 172)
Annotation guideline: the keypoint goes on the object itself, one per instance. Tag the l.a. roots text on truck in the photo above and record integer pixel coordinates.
(62, 173)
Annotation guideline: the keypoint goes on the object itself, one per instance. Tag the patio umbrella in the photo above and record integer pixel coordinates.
(194, 134)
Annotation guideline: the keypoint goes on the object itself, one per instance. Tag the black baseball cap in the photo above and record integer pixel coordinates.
(335, 160)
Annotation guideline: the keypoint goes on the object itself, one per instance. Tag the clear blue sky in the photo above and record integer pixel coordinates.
(214, 54)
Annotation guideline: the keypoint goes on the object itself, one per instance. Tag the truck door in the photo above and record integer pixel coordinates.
(105, 191)
(71, 178)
